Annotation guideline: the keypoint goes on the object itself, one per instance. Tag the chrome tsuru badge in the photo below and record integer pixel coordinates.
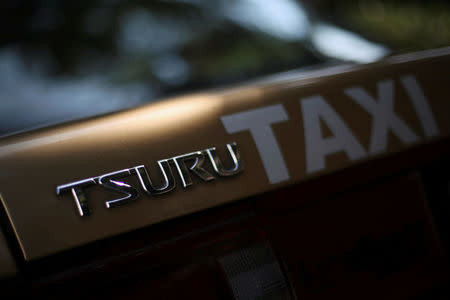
(185, 165)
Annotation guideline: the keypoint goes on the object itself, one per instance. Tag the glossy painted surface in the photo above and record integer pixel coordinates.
(34, 163)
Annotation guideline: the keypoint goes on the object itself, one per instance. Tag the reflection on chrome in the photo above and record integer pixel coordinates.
(76, 188)
(185, 164)
(147, 184)
(198, 159)
(217, 163)
(107, 181)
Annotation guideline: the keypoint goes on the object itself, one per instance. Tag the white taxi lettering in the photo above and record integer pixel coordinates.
(258, 122)
(383, 116)
(315, 109)
(421, 105)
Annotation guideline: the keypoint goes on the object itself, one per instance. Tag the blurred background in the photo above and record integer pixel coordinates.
(66, 60)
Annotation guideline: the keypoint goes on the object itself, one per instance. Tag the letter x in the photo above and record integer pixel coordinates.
(384, 117)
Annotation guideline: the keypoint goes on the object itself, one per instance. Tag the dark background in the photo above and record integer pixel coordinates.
(66, 60)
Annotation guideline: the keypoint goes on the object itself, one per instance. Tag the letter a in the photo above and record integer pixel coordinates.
(314, 109)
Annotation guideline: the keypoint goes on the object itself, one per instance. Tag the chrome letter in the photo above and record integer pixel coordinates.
(78, 194)
(196, 167)
(146, 182)
(217, 164)
(108, 181)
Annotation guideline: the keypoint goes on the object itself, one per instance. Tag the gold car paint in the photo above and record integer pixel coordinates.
(34, 163)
